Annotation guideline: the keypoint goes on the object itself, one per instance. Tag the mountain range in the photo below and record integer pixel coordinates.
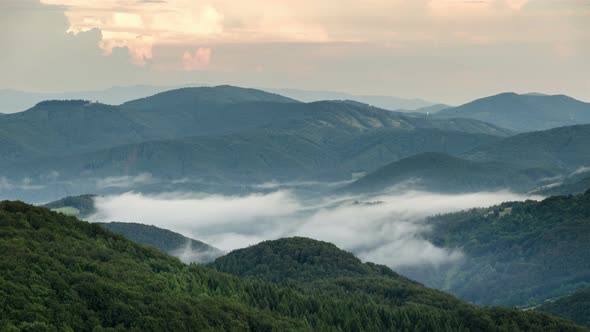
(14, 101)
(222, 137)
(214, 134)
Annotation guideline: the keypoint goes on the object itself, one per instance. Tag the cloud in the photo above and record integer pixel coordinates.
(189, 255)
(372, 47)
(385, 229)
(199, 61)
(581, 170)
(125, 181)
(25, 184)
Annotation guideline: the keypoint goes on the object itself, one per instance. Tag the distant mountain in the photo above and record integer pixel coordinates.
(311, 153)
(573, 186)
(76, 206)
(57, 128)
(17, 101)
(186, 249)
(443, 173)
(567, 148)
(575, 307)
(528, 112)
(208, 134)
(65, 274)
(516, 253)
(386, 102)
(432, 109)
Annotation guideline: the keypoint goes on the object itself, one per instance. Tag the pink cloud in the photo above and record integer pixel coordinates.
(197, 61)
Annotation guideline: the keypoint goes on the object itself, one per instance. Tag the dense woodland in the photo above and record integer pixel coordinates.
(189, 250)
(63, 274)
(575, 307)
(517, 253)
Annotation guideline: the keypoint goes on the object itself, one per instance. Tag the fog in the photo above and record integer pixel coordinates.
(387, 229)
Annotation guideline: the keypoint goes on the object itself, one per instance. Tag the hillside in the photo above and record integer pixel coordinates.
(64, 274)
(571, 186)
(297, 259)
(565, 147)
(204, 96)
(76, 206)
(443, 173)
(575, 307)
(518, 253)
(525, 112)
(56, 129)
(324, 141)
(186, 249)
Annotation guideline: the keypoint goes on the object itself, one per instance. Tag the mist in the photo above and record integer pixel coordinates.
(387, 229)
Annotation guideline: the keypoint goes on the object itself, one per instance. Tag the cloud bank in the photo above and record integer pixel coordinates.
(385, 229)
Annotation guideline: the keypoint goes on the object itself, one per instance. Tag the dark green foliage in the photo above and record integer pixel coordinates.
(66, 275)
(297, 259)
(526, 112)
(443, 173)
(188, 250)
(575, 307)
(516, 253)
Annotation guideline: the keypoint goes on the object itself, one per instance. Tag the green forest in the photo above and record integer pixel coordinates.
(517, 253)
(63, 274)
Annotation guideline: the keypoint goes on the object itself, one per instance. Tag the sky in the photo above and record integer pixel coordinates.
(449, 51)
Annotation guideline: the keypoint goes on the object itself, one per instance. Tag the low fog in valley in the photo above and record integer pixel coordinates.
(385, 229)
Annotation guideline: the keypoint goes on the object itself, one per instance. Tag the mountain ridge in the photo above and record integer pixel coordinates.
(524, 112)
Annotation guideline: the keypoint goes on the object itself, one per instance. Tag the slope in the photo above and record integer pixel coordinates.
(571, 186)
(525, 112)
(298, 259)
(565, 147)
(443, 173)
(575, 307)
(186, 249)
(518, 253)
(61, 128)
(81, 206)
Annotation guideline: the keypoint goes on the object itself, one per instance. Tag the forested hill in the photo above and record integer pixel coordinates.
(186, 249)
(81, 206)
(563, 147)
(440, 172)
(516, 253)
(63, 274)
(297, 259)
(177, 245)
(575, 307)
